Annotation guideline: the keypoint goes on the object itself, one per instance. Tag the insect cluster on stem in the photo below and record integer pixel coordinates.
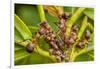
(59, 42)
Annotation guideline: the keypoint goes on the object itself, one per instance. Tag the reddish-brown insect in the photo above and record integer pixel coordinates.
(80, 45)
(60, 43)
(58, 58)
(75, 28)
(54, 45)
(87, 34)
(30, 47)
(73, 35)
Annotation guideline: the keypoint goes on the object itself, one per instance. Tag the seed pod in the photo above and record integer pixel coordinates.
(30, 47)
(87, 34)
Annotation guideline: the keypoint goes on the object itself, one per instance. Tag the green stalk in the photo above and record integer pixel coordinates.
(41, 13)
(38, 50)
(81, 31)
(44, 53)
(33, 27)
(73, 19)
(90, 26)
(83, 27)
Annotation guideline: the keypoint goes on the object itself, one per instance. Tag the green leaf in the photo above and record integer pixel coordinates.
(17, 36)
(84, 57)
(83, 27)
(28, 13)
(18, 47)
(20, 55)
(22, 28)
(89, 12)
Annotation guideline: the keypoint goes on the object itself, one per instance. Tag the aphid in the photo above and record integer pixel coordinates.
(60, 43)
(71, 41)
(75, 28)
(73, 35)
(57, 52)
(45, 25)
(48, 38)
(62, 25)
(65, 16)
(80, 44)
(62, 56)
(42, 31)
(66, 38)
(58, 58)
(30, 47)
(53, 35)
(87, 34)
(54, 45)
(68, 46)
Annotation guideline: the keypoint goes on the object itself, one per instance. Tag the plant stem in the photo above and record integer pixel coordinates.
(33, 27)
(81, 31)
(90, 26)
(73, 19)
(38, 50)
(83, 27)
(44, 53)
(41, 13)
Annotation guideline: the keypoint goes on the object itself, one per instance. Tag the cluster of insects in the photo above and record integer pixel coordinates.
(61, 42)
(50, 37)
